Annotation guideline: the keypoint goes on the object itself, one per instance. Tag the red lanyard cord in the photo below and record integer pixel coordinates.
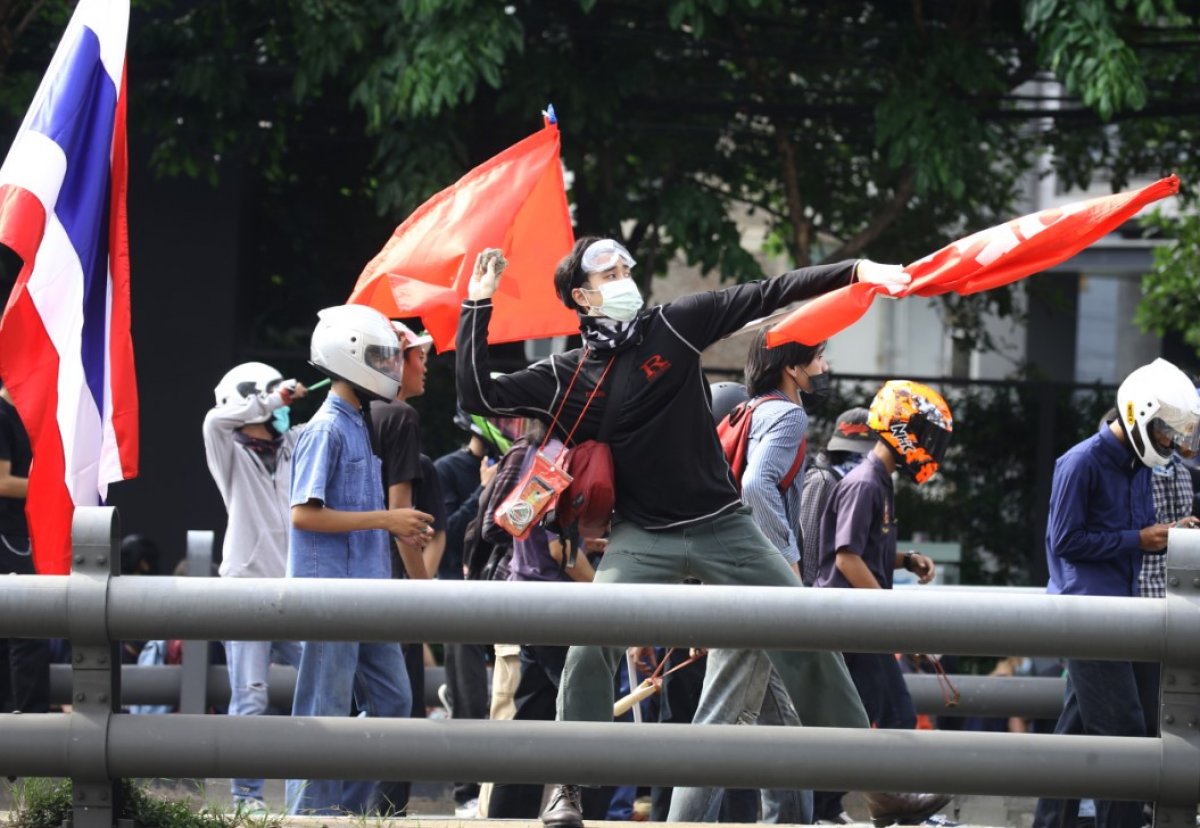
(950, 694)
(567, 394)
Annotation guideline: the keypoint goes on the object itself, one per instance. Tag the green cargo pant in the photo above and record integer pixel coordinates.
(727, 550)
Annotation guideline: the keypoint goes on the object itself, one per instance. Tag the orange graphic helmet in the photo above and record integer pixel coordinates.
(915, 423)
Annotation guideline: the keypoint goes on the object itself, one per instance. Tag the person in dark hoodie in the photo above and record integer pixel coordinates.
(678, 512)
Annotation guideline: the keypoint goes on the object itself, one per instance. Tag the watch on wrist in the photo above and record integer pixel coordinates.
(908, 559)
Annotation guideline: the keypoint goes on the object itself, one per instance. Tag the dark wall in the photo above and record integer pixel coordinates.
(184, 242)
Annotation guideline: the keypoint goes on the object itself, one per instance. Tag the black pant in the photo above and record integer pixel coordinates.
(393, 796)
(536, 699)
(1104, 698)
(885, 696)
(467, 689)
(24, 662)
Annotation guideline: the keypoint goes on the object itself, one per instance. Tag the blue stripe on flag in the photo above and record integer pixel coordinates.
(78, 115)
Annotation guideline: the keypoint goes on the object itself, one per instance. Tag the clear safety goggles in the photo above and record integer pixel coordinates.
(386, 359)
(1183, 436)
(605, 254)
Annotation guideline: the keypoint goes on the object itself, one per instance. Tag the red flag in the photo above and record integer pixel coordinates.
(65, 349)
(515, 201)
(988, 259)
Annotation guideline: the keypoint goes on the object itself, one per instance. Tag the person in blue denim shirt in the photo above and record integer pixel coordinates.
(1101, 524)
(341, 528)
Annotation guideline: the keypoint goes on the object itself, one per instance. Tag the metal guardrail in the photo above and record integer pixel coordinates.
(1029, 697)
(96, 745)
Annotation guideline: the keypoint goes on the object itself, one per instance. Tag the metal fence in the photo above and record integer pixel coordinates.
(1024, 696)
(95, 745)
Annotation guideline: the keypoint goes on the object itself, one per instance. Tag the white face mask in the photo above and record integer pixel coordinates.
(620, 300)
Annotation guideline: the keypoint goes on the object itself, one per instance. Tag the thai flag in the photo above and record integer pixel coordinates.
(66, 356)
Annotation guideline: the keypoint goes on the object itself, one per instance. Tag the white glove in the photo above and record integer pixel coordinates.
(891, 277)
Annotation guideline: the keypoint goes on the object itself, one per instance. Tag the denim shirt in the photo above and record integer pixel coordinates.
(777, 432)
(1099, 501)
(334, 464)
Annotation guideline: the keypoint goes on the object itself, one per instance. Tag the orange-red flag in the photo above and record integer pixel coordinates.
(988, 259)
(515, 201)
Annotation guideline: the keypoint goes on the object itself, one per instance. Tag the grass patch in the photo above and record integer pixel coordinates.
(46, 803)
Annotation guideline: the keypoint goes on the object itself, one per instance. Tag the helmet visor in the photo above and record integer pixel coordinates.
(386, 359)
(604, 255)
(929, 436)
(1182, 437)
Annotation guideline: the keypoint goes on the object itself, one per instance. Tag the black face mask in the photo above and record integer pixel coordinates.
(815, 399)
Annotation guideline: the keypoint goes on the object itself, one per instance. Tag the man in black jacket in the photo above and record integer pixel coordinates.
(678, 512)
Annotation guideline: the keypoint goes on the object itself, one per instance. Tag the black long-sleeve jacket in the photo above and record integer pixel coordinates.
(670, 471)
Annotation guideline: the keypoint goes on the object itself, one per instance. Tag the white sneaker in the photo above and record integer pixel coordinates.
(467, 810)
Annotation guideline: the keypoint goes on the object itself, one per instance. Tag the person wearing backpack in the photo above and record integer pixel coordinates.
(765, 440)
(849, 443)
(539, 557)
(677, 510)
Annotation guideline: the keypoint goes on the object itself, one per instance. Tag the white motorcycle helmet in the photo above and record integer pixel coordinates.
(246, 380)
(357, 344)
(1160, 410)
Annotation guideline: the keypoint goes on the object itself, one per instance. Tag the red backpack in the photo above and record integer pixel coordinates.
(734, 434)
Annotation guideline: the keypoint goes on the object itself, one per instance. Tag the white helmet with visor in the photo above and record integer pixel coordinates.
(1160, 410)
(357, 344)
(246, 380)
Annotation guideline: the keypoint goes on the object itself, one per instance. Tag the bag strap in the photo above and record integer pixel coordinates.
(591, 396)
(616, 394)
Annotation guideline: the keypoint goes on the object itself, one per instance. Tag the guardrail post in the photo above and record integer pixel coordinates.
(96, 667)
(193, 686)
(1180, 712)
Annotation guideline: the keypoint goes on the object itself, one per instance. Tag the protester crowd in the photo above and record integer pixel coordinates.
(670, 481)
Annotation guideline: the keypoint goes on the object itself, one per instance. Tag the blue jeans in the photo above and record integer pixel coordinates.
(741, 687)
(249, 663)
(1104, 698)
(332, 674)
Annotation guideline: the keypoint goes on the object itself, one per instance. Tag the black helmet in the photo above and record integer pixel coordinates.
(726, 396)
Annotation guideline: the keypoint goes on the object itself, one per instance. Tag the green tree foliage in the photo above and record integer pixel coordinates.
(845, 128)
(1171, 292)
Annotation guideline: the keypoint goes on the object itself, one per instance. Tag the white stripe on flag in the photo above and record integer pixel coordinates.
(37, 164)
(56, 288)
(110, 454)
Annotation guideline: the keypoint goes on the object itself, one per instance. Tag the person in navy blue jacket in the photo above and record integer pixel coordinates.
(1100, 525)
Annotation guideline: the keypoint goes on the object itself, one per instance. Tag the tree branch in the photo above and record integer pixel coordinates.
(757, 205)
(799, 244)
(879, 222)
(28, 19)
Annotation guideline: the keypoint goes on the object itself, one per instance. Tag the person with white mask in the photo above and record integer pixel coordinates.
(677, 513)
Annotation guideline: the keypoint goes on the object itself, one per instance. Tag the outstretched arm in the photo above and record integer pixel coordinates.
(703, 318)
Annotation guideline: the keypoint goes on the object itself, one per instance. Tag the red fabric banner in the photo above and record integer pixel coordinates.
(515, 201)
(988, 259)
